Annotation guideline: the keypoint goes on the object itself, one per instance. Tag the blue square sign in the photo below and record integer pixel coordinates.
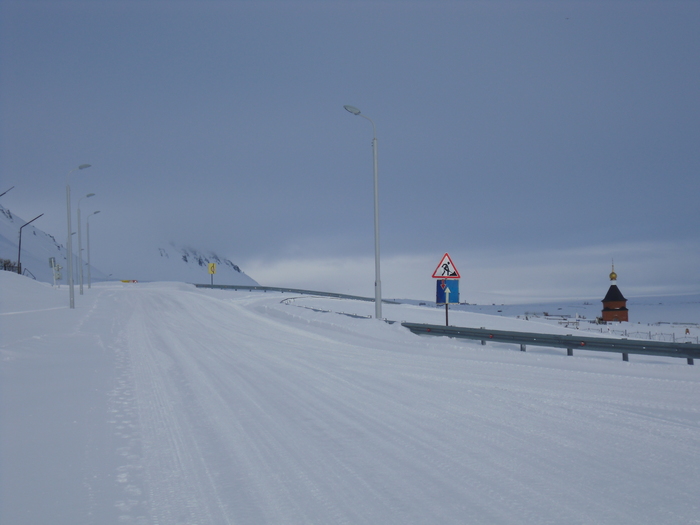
(447, 291)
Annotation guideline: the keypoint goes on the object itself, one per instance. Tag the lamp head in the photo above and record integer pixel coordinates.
(83, 166)
(352, 109)
(90, 195)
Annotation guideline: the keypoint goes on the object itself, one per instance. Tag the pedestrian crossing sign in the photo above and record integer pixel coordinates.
(446, 269)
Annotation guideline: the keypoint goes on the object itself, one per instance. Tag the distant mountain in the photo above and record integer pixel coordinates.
(171, 263)
(37, 248)
(174, 263)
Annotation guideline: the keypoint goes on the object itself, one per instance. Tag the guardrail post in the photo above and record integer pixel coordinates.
(625, 357)
(569, 351)
(522, 347)
(690, 361)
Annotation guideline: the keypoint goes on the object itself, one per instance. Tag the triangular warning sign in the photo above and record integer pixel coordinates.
(446, 269)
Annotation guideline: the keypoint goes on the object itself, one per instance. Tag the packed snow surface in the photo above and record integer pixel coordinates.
(161, 403)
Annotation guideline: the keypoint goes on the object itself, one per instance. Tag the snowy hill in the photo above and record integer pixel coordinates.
(164, 403)
(173, 263)
(168, 263)
(37, 248)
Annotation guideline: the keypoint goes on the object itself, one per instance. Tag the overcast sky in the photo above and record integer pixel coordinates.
(533, 141)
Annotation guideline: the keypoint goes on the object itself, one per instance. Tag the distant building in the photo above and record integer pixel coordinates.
(614, 304)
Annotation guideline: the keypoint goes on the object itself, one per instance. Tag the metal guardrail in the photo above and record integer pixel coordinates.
(290, 290)
(625, 347)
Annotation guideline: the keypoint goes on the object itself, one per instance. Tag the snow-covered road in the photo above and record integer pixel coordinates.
(164, 404)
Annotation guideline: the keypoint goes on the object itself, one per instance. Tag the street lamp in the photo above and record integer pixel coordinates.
(88, 245)
(71, 291)
(19, 251)
(80, 242)
(377, 280)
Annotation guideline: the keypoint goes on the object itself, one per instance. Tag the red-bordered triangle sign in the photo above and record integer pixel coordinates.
(446, 269)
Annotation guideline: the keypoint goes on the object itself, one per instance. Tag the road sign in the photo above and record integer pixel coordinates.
(446, 269)
(212, 268)
(447, 292)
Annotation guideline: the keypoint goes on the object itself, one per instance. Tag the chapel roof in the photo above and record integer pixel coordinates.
(614, 294)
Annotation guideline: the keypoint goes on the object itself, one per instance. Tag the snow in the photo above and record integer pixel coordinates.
(169, 262)
(155, 403)
(37, 248)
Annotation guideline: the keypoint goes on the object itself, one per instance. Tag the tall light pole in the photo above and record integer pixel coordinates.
(377, 279)
(88, 246)
(80, 242)
(19, 251)
(71, 291)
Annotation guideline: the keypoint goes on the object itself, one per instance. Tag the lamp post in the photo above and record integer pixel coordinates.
(19, 251)
(71, 291)
(88, 246)
(377, 280)
(80, 242)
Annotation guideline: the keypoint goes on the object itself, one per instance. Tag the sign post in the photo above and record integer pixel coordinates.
(56, 269)
(212, 271)
(447, 289)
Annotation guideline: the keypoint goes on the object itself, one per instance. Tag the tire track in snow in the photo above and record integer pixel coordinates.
(268, 422)
(179, 482)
